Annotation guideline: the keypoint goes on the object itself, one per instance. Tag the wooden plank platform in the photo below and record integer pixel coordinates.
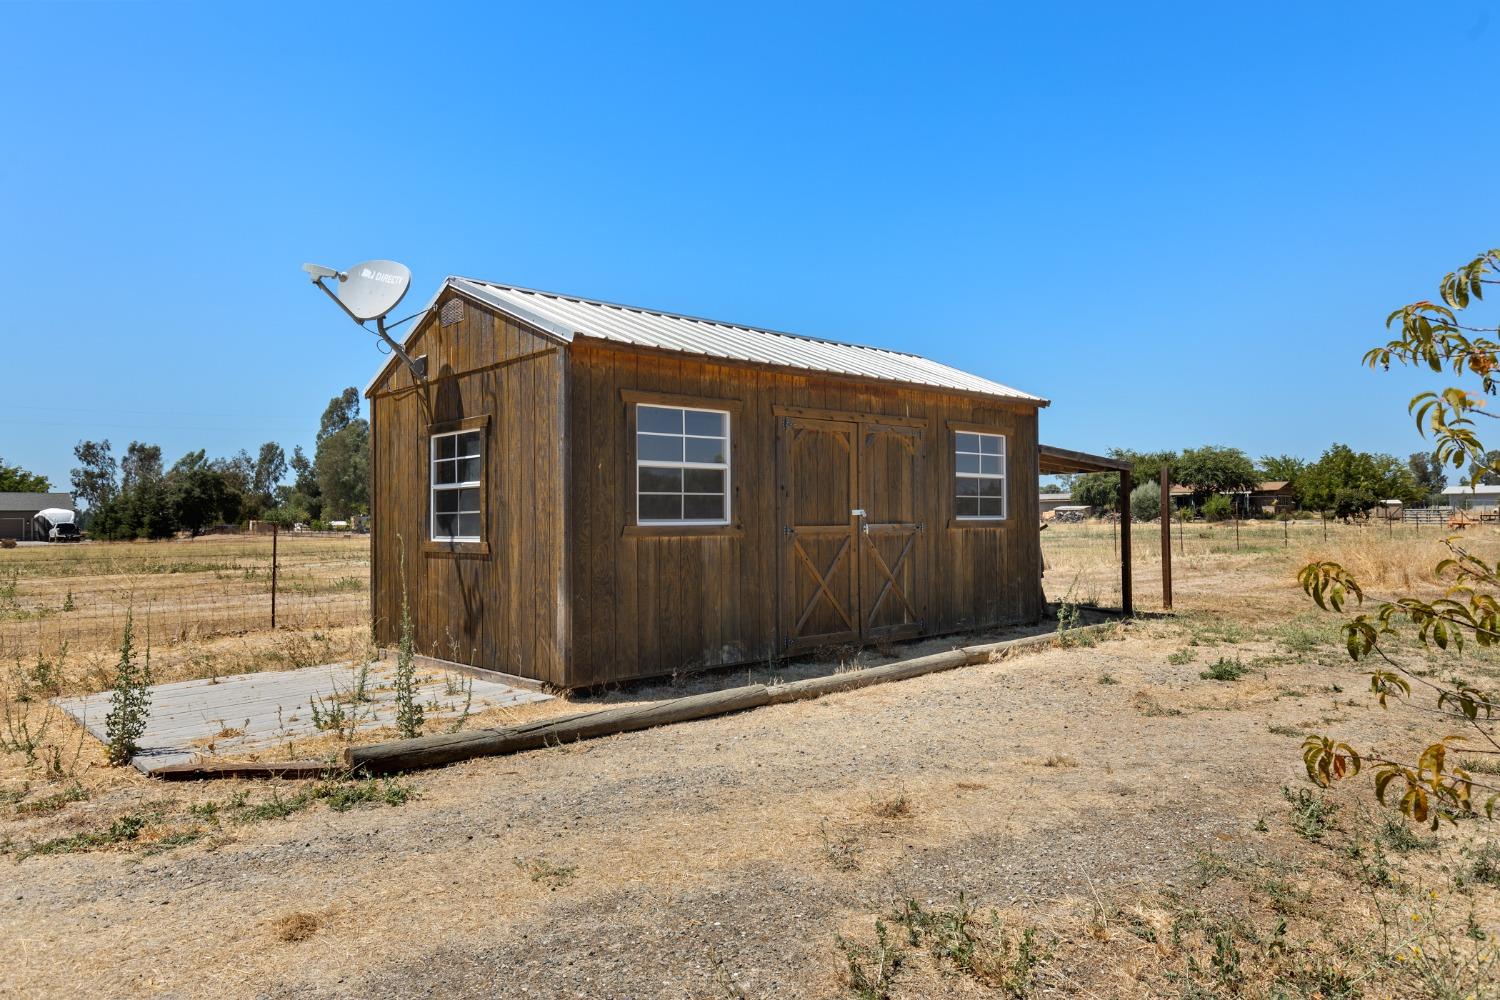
(197, 721)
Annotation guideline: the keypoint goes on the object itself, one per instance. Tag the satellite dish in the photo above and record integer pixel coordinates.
(373, 288)
(368, 291)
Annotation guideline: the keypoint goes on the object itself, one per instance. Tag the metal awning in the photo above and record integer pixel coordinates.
(1058, 460)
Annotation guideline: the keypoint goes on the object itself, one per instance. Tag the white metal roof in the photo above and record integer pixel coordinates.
(1472, 491)
(567, 316)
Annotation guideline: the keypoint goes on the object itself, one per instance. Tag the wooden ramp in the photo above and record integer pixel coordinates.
(197, 721)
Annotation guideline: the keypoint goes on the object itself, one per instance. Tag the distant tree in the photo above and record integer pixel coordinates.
(142, 462)
(304, 496)
(1427, 472)
(340, 413)
(1101, 490)
(1486, 472)
(1051, 488)
(342, 458)
(238, 500)
(198, 493)
(1281, 468)
(239, 469)
(152, 514)
(96, 478)
(1145, 466)
(307, 477)
(14, 479)
(270, 469)
(1349, 483)
(1211, 469)
(1145, 502)
(1217, 508)
(188, 462)
(343, 466)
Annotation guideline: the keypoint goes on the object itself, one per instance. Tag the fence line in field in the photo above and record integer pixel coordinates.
(181, 592)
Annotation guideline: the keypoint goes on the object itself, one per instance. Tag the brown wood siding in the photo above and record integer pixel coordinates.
(498, 604)
(646, 602)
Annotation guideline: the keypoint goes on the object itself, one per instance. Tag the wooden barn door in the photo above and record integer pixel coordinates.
(819, 593)
(891, 560)
(852, 542)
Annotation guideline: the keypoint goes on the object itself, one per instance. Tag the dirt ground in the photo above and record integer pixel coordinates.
(1097, 819)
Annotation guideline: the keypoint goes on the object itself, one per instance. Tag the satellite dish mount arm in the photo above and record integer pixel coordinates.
(417, 368)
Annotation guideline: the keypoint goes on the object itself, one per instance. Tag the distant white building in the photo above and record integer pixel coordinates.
(1472, 496)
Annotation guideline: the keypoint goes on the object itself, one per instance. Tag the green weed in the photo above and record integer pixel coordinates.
(1224, 670)
(126, 828)
(54, 802)
(1311, 815)
(870, 970)
(982, 948)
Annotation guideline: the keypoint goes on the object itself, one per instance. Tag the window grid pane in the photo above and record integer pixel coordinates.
(457, 477)
(979, 475)
(682, 465)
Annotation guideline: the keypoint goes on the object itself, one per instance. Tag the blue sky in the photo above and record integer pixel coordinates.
(1183, 224)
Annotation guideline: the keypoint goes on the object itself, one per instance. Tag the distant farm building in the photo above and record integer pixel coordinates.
(1275, 497)
(1467, 497)
(1272, 497)
(18, 513)
(582, 493)
(1049, 502)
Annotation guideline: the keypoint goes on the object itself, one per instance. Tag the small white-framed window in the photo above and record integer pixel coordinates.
(979, 476)
(681, 465)
(457, 478)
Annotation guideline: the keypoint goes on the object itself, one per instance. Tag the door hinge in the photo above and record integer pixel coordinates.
(786, 529)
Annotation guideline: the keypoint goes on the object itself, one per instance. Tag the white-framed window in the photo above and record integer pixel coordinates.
(457, 478)
(979, 476)
(681, 465)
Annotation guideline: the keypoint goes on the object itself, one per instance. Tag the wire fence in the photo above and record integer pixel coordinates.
(180, 591)
(1082, 560)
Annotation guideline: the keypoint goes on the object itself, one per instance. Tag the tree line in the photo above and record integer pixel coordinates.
(1341, 483)
(137, 496)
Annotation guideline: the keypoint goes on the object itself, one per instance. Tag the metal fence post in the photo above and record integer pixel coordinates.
(275, 534)
(1166, 538)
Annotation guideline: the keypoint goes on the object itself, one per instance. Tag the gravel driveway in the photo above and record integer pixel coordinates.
(719, 858)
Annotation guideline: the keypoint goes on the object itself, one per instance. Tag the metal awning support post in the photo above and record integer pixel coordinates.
(1053, 459)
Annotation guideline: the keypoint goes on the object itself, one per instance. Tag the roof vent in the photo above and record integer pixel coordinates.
(453, 312)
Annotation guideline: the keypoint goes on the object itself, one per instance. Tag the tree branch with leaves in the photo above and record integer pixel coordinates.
(1434, 785)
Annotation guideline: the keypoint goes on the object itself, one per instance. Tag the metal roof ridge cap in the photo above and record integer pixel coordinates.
(476, 290)
(688, 317)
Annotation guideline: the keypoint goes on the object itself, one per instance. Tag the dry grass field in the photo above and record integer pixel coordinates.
(205, 603)
(1123, 816)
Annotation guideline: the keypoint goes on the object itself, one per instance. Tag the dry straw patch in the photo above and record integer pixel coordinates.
(294, 927)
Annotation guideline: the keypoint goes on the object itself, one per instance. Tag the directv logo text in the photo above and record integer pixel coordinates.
(380, 276)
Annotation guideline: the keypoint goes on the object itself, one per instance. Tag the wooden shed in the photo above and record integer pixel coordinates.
(580, 492)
